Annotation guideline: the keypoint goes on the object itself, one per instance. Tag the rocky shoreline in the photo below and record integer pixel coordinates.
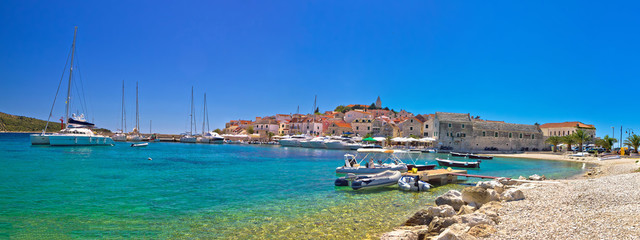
(602, 204)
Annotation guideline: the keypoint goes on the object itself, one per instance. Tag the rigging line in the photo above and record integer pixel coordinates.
(64, 70)
(82, 106)
(84, 98)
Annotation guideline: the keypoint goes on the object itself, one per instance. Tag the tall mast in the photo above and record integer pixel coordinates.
(122, 116)
(204, 112)
(191, 115)
(68, 102)
(137, 114)
(207, 112)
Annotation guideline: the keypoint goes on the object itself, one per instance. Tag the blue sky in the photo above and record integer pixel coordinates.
(517, 61)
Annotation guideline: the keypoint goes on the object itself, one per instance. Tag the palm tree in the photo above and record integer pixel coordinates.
(607, 142)
(633, 141)
(569, 140)
(581, 137)
(554, 140)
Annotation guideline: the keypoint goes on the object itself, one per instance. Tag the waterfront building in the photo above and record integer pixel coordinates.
(355, 114)
(412, 126)
(383, 126)
(265, 125)
(567, 128)
(362, 126)
(284, 127)
(338, 128)
(282, 117)
(429, 126)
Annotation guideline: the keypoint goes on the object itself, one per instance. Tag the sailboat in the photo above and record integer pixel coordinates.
(120, 136)
(208, 136)
(77, 131)
(134, 136)
(189, 137)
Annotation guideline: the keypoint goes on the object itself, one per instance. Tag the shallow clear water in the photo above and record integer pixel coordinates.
(204, 191)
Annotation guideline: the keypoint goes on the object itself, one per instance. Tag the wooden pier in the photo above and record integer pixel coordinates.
(438, 176)
(444, 176)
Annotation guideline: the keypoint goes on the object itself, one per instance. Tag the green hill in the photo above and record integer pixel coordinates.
(13, 123)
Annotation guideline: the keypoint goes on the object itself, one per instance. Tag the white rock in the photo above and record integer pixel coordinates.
(441, 211)
(512, 194)
(493, 195)
(452, 198)
(475, 219)
(400, 235)
(455, 232)
(489, 184)
(535, 177)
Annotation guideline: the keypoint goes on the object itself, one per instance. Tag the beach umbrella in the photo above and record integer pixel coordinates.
(369, 139)
(380, 139)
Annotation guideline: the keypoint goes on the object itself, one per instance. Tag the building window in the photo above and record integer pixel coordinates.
(449, 125)
(368, 128)
(333, 131)
(435, 134)
(426, 134)
(357, 128)
(484, 134)
(412, 120)
(496, 134)
(462, 125)
(510, 135)
(447, 134)
(426, 126)
(533, 136)
(520, 135)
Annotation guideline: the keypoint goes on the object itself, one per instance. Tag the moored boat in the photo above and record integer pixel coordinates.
(473, 156)
(385, 178)
(385, 160)
(413, 183)
(460, 164)
(455, 154)
(139, 144)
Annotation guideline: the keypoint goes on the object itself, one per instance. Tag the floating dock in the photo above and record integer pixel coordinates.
(438, 176)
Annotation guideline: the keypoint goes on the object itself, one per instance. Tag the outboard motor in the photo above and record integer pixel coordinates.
(342, 182)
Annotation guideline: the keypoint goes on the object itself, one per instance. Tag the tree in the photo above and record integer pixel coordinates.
(342, 109)
(581, 137)
(606, 142)
(218, 131)
(317, 110)
(633, 141)
(389, 140)
(372, 106)
(386, 108)
(270, 134)
(569, 140)
(554, 140)
(250, 130)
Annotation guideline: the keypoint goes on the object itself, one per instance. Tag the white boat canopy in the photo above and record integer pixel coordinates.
(427, 139)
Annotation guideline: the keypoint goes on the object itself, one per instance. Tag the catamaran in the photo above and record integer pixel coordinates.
(77, 131)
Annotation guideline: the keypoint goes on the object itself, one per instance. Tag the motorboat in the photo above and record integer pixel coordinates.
(188, 138)
(139, 144)
(119, 137)
(305, 143)
(317, 142)
(292, 141)
(210, 137)
(455, 154)
(473, 156)
(385, 178)
(413, 183)
(385, 159)
(460, 164)
(421, 167)
(430, 150)
(608, 157)
(336, 144)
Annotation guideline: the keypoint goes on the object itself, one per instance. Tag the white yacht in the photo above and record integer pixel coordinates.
(336, 144)
(292, 141)
(77, 131)
(317, 142)
(210, 137)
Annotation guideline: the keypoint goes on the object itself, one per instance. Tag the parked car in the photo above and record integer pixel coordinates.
(593, 150)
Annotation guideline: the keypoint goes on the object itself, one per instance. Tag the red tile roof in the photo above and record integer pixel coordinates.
(566, 124)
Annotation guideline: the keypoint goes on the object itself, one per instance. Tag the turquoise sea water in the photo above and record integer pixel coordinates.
(204, 191)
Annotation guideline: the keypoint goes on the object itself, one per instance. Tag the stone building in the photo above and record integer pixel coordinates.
(355, 114)
(412, 126)
(506, 136)
(383, 127)
(362, 126)
(460, 132)
(567, 128)
(378, 103)
(284, 127)
(429, 126)
(338, 128)
(266, 125)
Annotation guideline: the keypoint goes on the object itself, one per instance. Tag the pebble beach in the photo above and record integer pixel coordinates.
(603, 205)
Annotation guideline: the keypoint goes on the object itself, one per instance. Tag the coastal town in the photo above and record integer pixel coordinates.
(443, 130)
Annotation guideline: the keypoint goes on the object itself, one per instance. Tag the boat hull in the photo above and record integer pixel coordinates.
(317, 144)
(336, 145)
(39, 139)
(188, 139)
(421, 167)
(386, 178)
(408, 183)
(289, 143)
(365, 170)
(119, 138)
(65, 140)
(448, 163)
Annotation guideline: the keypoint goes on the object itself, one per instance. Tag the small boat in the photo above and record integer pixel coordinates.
(460, 164)
(411, 183)
(455, 154)
(139, 144)
(391, 162)
(429, 150)
(385, 178)
(609, 157)
(473, 156)
(421, 167)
